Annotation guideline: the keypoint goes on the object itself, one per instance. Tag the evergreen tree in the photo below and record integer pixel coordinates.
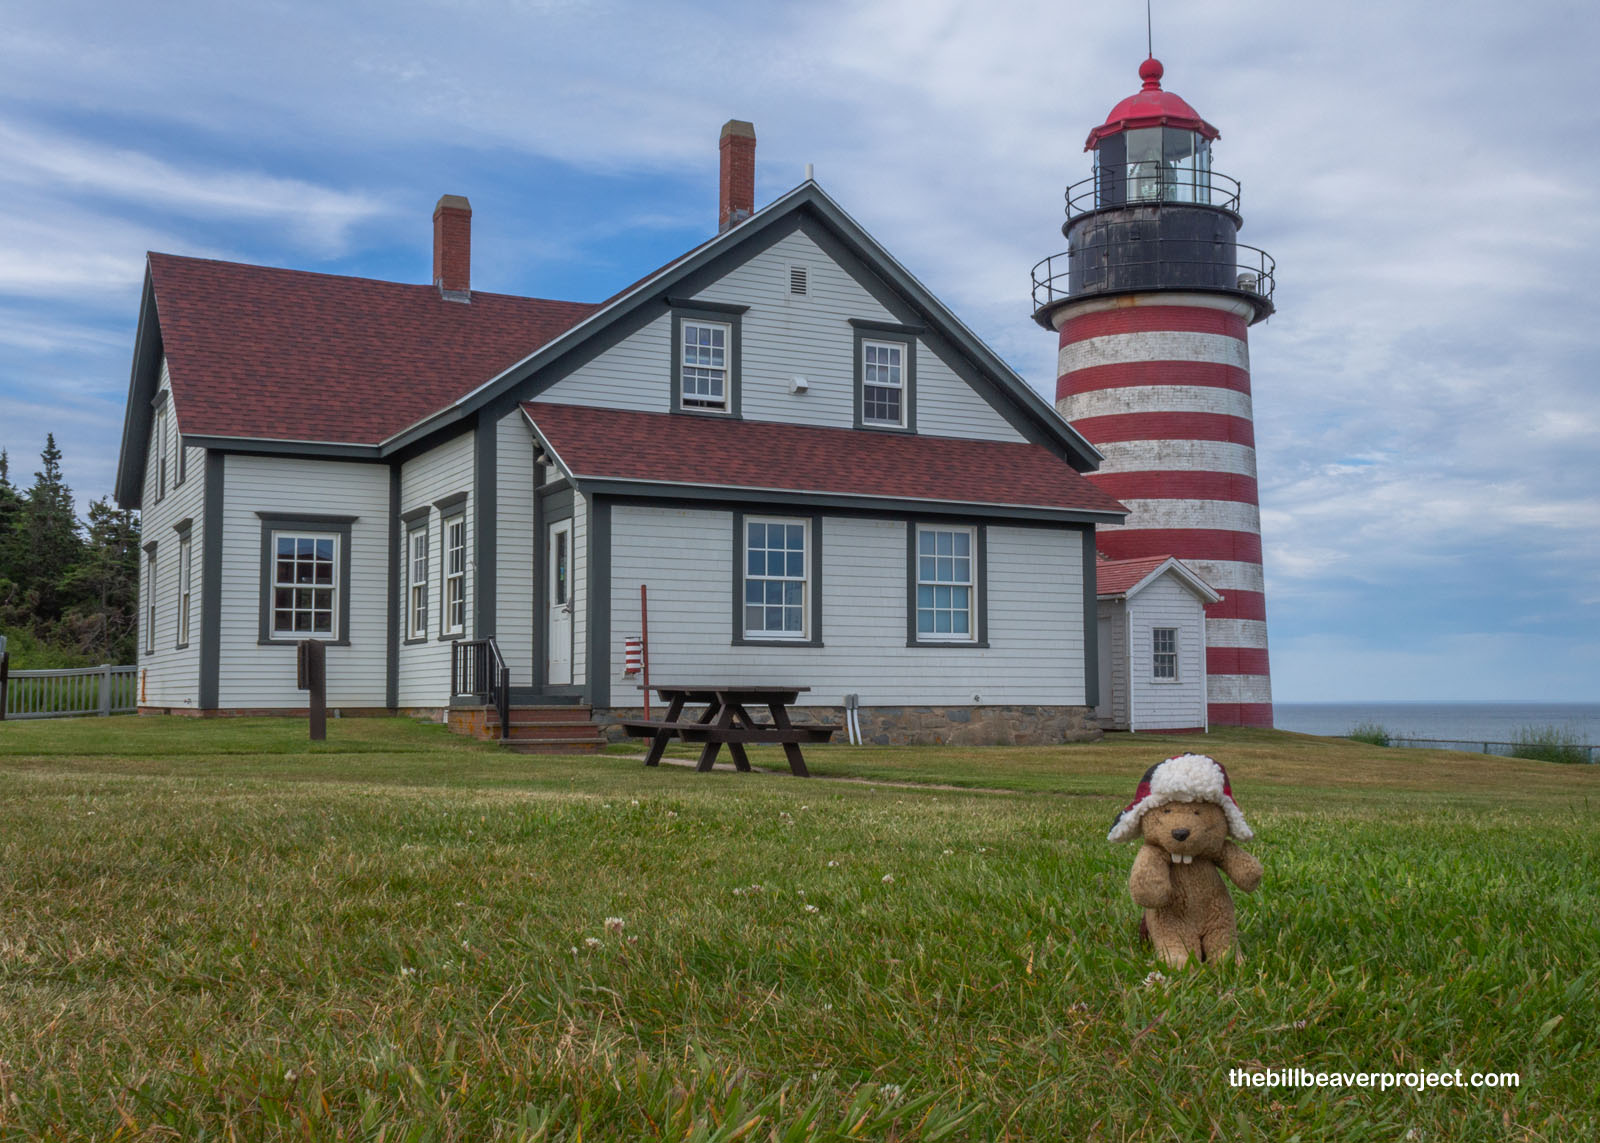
(103, 619)
(49, 544)
(10, 522)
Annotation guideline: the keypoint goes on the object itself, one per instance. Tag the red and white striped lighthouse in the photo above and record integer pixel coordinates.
(1153, 299)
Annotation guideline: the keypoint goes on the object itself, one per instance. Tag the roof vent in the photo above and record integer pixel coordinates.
(799, 286)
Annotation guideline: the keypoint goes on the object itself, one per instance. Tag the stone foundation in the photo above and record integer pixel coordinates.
(922, 725)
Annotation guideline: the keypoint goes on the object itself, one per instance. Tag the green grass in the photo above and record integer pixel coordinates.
(1550, 744)
(214, 930)
(1372, 733)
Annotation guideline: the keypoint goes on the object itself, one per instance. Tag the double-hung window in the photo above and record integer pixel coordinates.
(777, 578)
(883, 383)
(161, 452)
(885, 375)
(455, 575)
(185, 586)
(1164, 654)
(304, 585)
(946, 573)
(150, 599)
(704, 347)
(417, 572)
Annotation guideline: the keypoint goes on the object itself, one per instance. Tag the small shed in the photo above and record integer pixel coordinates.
(1152, 629)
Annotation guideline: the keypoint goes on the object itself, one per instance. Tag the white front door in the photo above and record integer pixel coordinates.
(558, 604)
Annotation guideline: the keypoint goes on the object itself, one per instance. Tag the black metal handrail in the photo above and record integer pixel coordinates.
(1253, 272)
(477, 669)
(1194, 188)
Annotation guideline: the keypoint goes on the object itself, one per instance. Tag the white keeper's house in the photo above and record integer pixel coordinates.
(820, 474)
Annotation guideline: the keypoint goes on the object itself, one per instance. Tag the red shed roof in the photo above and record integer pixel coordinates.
(1150, 107)
(290, 355)
(706, 451)
(1119, 577)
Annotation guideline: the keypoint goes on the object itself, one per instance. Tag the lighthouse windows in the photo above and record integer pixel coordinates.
(1153, 164)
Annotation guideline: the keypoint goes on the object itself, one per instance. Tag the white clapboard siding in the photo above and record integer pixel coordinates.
(786, 335)
(516, 578)
(1162, 704)
(686, 558)
(171, 676)
(264, 676)
(424, 667)
(636, 373)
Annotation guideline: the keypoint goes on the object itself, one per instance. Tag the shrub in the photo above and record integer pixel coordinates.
(1549, 744)
(1369, 732)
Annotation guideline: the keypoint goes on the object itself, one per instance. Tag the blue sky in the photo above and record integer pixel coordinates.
(1427, 396)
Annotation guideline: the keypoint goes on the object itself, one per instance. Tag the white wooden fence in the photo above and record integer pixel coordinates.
(102, 690)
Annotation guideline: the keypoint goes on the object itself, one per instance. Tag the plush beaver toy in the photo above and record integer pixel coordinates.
(1185, 812)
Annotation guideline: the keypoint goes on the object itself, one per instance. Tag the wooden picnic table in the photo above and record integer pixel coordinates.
(727, 720)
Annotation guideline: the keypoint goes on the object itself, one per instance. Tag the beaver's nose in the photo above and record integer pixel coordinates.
(1179, 834)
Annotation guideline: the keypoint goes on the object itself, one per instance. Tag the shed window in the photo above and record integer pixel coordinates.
(1164, 642)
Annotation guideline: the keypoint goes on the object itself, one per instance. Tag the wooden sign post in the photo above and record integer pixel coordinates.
(311, 665)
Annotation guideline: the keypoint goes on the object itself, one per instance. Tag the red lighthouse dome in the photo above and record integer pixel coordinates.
(1151, 107)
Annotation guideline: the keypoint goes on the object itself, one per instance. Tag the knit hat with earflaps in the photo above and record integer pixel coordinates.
(1185, 778)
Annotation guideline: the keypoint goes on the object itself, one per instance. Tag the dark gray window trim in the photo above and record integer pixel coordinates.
(740, 639)
(414, 521)
(980, 585)
(211, 584)
(679, 301)
(310, 522)
(451, 508)
(885, 332)
(909, 329)
(185, 530)
(1091, 622)
(729, 316)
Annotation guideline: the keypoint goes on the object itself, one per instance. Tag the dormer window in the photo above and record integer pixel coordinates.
(705, 365)
(886, 376)
(705, 357)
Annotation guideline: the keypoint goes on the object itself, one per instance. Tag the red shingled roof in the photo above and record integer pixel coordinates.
(290, 355)
(690, 449)
(1118, 577)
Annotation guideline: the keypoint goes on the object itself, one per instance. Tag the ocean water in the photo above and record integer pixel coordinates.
(1460, 721)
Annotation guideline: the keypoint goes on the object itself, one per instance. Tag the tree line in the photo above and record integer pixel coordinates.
(69, 589)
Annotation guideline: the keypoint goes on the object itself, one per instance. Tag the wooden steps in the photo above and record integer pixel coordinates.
(533, 729)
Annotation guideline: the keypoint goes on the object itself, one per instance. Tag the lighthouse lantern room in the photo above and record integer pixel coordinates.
(1152, 301)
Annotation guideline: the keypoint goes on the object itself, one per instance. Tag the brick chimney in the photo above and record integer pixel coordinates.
(737, 186)
(452, 248)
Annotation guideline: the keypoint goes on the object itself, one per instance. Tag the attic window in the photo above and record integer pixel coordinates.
(799, 283)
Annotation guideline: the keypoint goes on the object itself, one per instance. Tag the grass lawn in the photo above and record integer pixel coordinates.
(211, 930)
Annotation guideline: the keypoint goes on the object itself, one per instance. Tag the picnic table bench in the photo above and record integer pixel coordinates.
(726, 721)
